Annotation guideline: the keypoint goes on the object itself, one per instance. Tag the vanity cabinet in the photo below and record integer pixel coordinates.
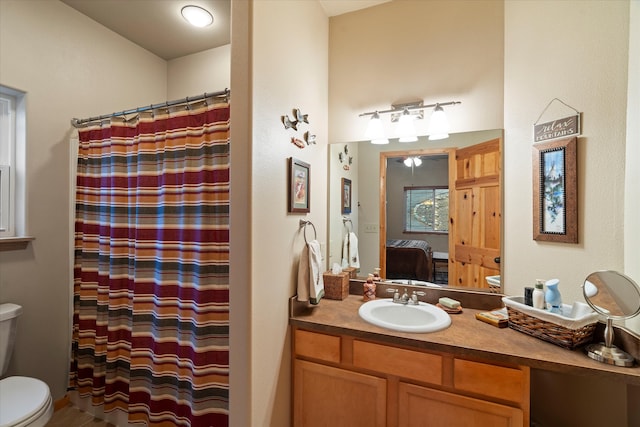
(340, 380)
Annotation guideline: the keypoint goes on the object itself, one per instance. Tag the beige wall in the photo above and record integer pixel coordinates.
(207, 71)
(70, 67)
(402, 51)
(289, 70)
(632, 173)
(578, 54)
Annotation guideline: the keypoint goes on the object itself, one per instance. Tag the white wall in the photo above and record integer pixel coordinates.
(289, 70)
(69, 66)
(575, 51)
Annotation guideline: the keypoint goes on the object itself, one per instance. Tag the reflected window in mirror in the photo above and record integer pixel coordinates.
(426, 209)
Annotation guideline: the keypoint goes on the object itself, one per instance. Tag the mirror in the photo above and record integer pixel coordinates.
(370, 167)
(617, 297)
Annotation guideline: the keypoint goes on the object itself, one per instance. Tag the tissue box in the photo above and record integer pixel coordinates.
(353, 272)
(336, 286)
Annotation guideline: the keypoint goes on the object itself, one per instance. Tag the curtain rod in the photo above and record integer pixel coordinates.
(79, 122)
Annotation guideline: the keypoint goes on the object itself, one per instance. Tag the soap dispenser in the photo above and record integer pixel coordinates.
(552, 296)
(369, 291)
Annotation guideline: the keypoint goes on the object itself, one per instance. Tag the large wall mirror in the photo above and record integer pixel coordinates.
(428, 211)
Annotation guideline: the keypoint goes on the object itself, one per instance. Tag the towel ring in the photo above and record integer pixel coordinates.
(303, 224)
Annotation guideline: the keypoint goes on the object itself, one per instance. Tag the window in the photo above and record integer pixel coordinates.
(12, 126)
(426, 210)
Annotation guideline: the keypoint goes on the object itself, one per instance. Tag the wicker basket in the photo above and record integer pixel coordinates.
(567, 332)
(336, 286)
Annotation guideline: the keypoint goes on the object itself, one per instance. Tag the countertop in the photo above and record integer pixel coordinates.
(466, 337)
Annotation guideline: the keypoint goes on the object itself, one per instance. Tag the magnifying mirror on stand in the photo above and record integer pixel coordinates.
(617, 297)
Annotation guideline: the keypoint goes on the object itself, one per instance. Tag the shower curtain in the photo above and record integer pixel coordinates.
(151, 291)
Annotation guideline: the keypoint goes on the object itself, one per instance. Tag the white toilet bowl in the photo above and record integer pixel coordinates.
(24, 402)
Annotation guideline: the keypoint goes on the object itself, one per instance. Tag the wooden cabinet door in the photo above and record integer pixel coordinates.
(424, 407)
(475, 215)
(324, 396)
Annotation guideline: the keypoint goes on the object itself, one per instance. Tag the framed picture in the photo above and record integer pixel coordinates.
(299, 186)
(346, 196)
(555, 206)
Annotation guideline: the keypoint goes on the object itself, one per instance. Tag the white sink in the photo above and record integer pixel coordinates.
(404, 318)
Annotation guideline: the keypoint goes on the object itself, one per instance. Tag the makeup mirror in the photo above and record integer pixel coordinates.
(617, 297)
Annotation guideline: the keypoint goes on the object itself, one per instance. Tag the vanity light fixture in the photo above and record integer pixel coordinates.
(405, 114)
(406, 128)
(197, 16)
(439, 125)
(375, 130)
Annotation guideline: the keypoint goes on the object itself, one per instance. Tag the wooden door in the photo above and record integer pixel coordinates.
(325, 396)
(475, 210)
(424, 407)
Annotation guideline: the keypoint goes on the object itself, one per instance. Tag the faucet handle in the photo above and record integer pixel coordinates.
(414, 297)
(396, 294)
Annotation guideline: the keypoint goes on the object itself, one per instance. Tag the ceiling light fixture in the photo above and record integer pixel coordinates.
(405, 114)
(412, 161)
(197, 16)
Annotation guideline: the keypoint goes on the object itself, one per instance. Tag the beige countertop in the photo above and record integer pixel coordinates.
(466, 336)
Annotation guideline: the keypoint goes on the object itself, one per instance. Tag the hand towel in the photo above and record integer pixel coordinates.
(350, 256)
(310, 282)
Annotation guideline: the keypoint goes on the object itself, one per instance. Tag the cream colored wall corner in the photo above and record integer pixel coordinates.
(201, 72)
(289, 70)
(69, 66)
(632, 172)
(576, 51)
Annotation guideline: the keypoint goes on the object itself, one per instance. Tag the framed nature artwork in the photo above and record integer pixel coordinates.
(346, 196)
(299, 186)
(555, 207)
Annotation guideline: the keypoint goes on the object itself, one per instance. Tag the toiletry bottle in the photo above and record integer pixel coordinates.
(369, 289)
(552, 296)
(538, 295)
(376, 274)
(528, 296)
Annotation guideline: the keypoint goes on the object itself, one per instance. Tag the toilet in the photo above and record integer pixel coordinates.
(24, 401)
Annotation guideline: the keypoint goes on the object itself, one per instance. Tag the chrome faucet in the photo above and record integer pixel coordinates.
(404, 299)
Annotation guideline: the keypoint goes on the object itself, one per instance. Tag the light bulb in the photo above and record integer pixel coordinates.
(407, 162)
(417, 161)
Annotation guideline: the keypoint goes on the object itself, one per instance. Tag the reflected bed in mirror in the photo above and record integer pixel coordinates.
(384, 190)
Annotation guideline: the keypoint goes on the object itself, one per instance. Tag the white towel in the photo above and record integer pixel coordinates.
(310, 282)
(350, 256)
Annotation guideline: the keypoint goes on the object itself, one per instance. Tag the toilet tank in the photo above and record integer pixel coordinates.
(8, 319)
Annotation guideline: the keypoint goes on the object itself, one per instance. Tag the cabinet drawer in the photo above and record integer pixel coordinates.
(318, 346)
(411, 364)
(510, 384)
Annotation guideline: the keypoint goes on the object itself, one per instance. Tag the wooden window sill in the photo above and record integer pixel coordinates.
(15, 243)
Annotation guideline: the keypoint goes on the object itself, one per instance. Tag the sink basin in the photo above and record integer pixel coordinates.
(404, 318)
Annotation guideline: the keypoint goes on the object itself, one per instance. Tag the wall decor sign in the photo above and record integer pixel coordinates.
(559, 128)
(555, 207)
(346, 196)
(299, 191)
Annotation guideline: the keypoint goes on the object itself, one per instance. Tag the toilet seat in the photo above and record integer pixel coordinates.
(24, 402)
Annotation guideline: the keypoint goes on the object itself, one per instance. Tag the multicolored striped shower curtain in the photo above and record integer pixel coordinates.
(151, 291)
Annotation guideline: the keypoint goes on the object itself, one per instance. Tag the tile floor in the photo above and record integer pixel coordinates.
(73, 417)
